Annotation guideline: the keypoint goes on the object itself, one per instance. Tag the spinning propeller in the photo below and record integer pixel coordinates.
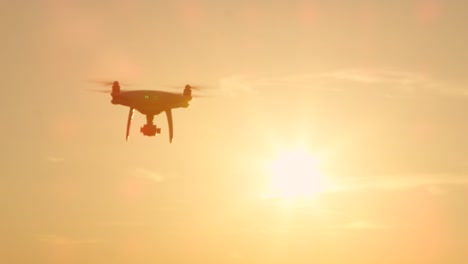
(189, 86)
(188, 89)
(114, 84)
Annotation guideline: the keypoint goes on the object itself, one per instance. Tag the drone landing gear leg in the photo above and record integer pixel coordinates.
(129, 122)
(170, 125)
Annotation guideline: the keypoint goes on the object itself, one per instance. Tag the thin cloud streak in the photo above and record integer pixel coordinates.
(147, 174)
(61, 240)
(123, 224)
(376, 76)
(387, 80)
(238, 85)
(362, 225)
(55, 159)
(433, 183)
(408, 82)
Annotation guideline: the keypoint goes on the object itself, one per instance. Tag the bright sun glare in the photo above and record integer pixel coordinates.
(295, 173)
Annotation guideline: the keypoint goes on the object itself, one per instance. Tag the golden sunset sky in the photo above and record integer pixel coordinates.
(336, 132)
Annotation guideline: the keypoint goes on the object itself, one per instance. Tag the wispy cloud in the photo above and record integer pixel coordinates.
(55, 159)
(362, 224)
(433, 183)
(389, 81)
(123, 223)
(239, 85)
(147, 174)
(61, 240)
(403, 81)
(376, 76)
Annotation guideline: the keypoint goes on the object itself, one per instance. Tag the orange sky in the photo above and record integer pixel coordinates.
(374, 93)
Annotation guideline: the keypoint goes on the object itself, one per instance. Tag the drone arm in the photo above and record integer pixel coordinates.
(170, 125)
(129, 122)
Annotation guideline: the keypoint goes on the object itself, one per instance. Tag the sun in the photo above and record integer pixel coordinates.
(295, 173)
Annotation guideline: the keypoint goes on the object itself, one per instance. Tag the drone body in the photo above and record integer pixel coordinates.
(150, 103)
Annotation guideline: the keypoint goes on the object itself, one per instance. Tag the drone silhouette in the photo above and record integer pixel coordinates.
(150, 103)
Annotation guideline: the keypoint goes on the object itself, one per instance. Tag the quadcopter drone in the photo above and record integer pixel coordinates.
(150, 103)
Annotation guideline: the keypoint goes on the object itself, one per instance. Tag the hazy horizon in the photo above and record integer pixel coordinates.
(336, 133)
